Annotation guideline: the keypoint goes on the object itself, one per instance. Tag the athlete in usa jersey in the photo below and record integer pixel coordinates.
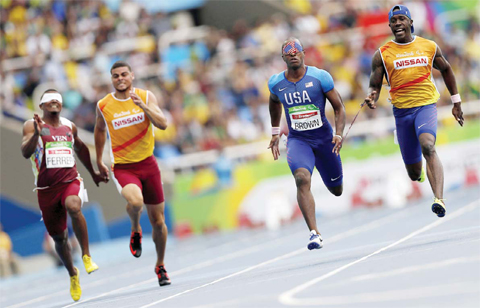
(302, 92)
(407, 63)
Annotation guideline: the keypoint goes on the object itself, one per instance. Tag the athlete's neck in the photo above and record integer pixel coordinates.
(295, 75)
(407, 39)
(123, 94)
(52, 119)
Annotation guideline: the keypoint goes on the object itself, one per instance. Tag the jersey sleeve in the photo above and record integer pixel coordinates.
(326, 81)
(271, 84)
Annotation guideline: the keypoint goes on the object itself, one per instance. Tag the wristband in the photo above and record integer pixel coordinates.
(275, 130)
(456, 98)
(339, 137)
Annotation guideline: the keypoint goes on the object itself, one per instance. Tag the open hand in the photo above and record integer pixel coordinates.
(274, 146)
(38, 124)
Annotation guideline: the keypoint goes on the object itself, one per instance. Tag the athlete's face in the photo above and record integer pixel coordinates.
(122, 78)
(294, 57)
(53, 107)
(401, 27)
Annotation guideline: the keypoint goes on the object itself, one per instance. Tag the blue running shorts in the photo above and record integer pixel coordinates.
(302, 153)
(411, 123)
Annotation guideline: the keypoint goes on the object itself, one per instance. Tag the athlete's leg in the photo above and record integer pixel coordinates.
(159, 234)
(133, 194)
(64, 251)
(434, 165)
(73, 204)
(329, 166)
(408, 142)
(301, 160)
(306, 202)
(426, 130)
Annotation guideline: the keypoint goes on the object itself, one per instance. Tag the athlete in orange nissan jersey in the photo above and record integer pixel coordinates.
(128, 116)
(407, 63)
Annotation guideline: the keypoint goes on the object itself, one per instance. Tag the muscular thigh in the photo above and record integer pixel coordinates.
(407, 139)
(329, 165)
(53, 211)
(300, 155)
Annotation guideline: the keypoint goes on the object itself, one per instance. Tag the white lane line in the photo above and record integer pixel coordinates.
(416, 268)
(188, 269)
(287, 298)
(354, 231)
(397, 295)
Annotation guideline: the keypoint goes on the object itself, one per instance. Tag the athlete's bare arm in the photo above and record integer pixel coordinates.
(152, 110)
(376, 79)
(336, 100)
(84, 155)
(275, 107)
(441, 64)
(100, 135)
(31, 132)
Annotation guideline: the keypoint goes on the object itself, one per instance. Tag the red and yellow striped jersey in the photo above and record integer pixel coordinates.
(129, 129)
(409, 72)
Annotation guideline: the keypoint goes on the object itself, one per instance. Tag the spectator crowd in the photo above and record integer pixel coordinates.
(212, 86)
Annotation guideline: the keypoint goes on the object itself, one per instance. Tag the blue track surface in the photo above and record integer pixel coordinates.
(371, 258)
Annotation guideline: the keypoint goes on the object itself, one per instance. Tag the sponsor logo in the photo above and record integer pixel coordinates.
(297, 97)
(309, 84)
(280, 90)
(410, 62)
(304, 115)
(422, 125)
(136, 110)
(128, 120)
(335, 178)
(121, 114)
(405, 54)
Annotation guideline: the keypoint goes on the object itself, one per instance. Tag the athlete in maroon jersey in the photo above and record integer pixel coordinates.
(50, 142)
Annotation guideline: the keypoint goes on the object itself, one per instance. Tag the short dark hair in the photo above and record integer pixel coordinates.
(48, 91)
(120, 64)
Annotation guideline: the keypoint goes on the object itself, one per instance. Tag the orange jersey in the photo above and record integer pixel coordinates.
(409, 72)
(129, 129)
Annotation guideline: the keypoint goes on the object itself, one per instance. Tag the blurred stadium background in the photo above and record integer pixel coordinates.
(209, 62)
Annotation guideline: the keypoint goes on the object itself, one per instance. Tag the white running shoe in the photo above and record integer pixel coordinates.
(316, 241)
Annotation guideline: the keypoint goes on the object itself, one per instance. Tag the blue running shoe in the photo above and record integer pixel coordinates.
(316, 241)
(438, 207)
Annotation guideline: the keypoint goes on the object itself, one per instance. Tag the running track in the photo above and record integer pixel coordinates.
(371, 258)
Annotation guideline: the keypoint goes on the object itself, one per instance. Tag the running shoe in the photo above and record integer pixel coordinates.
(163, 279)
(422, 177)
(136, 244)
(438, 207)
(90, 266)
(316, 241)
(75, 289)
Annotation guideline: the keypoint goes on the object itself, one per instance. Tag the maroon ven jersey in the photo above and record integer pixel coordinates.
(53, 161)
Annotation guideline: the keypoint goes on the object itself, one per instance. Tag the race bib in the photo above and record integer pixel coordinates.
(59, 154)
(305, 117)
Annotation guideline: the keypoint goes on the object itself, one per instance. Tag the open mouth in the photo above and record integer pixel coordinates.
(400, 31)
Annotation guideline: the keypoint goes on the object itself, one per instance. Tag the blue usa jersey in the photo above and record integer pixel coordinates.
(304, 102)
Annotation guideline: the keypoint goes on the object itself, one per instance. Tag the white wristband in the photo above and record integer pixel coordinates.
(275, 130)
(456, 98)
(339, 137)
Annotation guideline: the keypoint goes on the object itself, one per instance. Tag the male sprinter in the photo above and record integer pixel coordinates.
(128, 115)
(49, 143)
(302, 90)
(407, 62)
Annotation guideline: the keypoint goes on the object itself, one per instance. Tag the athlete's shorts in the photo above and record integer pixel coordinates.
(307, 154)
(145, 174)
(52, 204)
(411, 123)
